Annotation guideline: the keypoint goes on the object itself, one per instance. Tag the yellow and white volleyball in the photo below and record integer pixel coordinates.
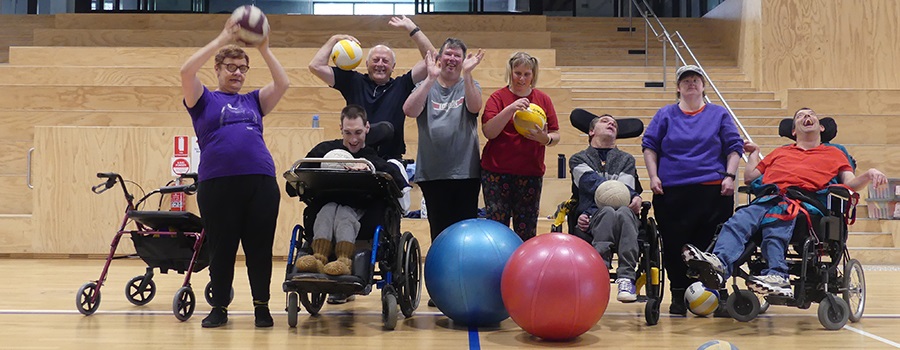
(527, 119)
(336, 154)
(253, 22)
(717, 345)
(346, 54)
(612, 193)
(700, 300)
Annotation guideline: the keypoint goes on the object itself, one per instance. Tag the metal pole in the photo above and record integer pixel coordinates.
(665, 65)
(646, 45)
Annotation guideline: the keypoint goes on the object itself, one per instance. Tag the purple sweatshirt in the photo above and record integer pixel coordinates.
(230, 133)
(692, 149)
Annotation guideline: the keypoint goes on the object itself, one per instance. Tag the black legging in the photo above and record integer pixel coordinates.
(449, 202)
(688, 214)
(239, 209)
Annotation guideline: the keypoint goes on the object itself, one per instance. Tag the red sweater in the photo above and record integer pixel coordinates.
(510, 152)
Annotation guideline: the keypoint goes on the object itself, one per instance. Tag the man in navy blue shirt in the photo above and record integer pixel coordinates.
(377, 91)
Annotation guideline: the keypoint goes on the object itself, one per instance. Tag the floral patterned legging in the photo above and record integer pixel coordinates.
(513, 196)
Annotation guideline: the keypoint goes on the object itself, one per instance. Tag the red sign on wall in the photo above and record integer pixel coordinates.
(182, 149)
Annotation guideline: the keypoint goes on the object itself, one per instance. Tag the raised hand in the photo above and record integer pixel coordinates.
(402, 22)
(472, 60)
(431, 65)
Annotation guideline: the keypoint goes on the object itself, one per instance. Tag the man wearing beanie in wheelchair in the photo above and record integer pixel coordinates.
(806, 167)
(337, 225)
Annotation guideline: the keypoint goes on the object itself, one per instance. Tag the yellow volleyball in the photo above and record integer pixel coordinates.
(346, 54)
(532, 117)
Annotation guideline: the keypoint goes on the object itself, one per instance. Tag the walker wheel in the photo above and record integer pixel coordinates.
(138, 296)
(184, 303)
(87, 300)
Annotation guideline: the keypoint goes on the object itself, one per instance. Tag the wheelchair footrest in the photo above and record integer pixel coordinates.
(322, 283)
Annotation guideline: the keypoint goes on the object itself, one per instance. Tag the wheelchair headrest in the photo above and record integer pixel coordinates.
(379, 132)
(786, 128)
(628, 127)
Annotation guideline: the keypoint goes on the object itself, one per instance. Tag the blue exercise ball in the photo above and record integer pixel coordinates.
(464, 267)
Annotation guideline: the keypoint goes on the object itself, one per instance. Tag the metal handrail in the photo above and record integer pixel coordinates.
(665, 38)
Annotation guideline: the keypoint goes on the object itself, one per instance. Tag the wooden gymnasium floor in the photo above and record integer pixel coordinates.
(37, 311)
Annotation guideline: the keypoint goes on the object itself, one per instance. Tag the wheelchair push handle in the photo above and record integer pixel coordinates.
(187, 189)
(109, 183)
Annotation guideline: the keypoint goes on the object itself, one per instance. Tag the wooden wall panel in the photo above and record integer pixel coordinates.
(176, 56)
(347, 24)
(169, 76)
(739, 22)
(198, 38)
(830, 44)
(69, 218)
(15, 233)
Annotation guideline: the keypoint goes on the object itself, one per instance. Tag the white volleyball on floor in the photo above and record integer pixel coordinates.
(701, 301)
(612, 193)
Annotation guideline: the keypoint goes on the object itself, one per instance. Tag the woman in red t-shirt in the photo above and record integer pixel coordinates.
(512, 164)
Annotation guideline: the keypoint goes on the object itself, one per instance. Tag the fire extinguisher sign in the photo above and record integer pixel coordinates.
(181, 160)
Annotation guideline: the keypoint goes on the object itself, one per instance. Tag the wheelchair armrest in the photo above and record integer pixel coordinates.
(645, 209)
(744, 189)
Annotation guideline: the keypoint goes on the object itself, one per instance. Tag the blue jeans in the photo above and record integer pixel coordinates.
(738, 230)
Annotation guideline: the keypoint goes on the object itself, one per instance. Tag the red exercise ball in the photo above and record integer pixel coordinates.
(555, 286)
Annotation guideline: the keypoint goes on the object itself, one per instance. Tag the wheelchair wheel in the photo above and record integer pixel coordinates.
(313, 302)
(389, 308)
(207, 294)
(651, 311)
(87, 300)
(138, 296)
(854, 289)
(656, 260)
(293, 308)
(833, 312)
(184, 303)
(409, 274)
(742, 305)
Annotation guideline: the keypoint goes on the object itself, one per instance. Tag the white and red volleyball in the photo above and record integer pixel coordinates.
(253, 22)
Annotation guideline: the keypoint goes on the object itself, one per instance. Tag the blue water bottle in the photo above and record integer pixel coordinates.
(315, 122)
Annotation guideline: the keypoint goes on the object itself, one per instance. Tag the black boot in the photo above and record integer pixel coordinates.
(217, 317)
(261, 312)
(678, 307)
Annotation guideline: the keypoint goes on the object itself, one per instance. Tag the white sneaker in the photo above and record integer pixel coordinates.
(711, 270)
(627, 290)
(771, 285)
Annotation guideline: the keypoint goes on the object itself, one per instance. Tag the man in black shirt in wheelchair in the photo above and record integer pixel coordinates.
(808, 164)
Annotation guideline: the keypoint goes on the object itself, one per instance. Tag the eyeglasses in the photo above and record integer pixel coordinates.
(231, 67)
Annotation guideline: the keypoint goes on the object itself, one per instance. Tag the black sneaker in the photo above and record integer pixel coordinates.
(336, 299)
(678, 307)
(431, 303)
(217, 317)
(263, 317)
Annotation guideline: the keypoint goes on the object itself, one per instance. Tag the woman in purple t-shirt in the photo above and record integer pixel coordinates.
(691, 150)
(237, 195)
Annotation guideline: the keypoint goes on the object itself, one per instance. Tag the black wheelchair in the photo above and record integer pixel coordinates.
(819, 262)
(167, 240)
(388, 260)
(650, 269)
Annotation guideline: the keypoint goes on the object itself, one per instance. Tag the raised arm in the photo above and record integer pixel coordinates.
(473, 92)
(319, 64)
(191, 86)
(270, 94)
(415, 103)
(424, 45)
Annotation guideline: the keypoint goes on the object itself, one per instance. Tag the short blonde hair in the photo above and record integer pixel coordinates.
(522, 58)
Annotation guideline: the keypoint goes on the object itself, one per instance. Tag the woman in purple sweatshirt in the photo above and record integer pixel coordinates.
(691, 149)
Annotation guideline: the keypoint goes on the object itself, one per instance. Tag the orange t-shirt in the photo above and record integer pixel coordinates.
(810, 169)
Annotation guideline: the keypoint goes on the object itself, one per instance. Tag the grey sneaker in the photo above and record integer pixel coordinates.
(771, 285)
(711, 270)
(627, 291)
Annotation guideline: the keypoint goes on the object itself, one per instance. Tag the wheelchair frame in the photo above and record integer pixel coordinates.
(148, 234)
(397, 256)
